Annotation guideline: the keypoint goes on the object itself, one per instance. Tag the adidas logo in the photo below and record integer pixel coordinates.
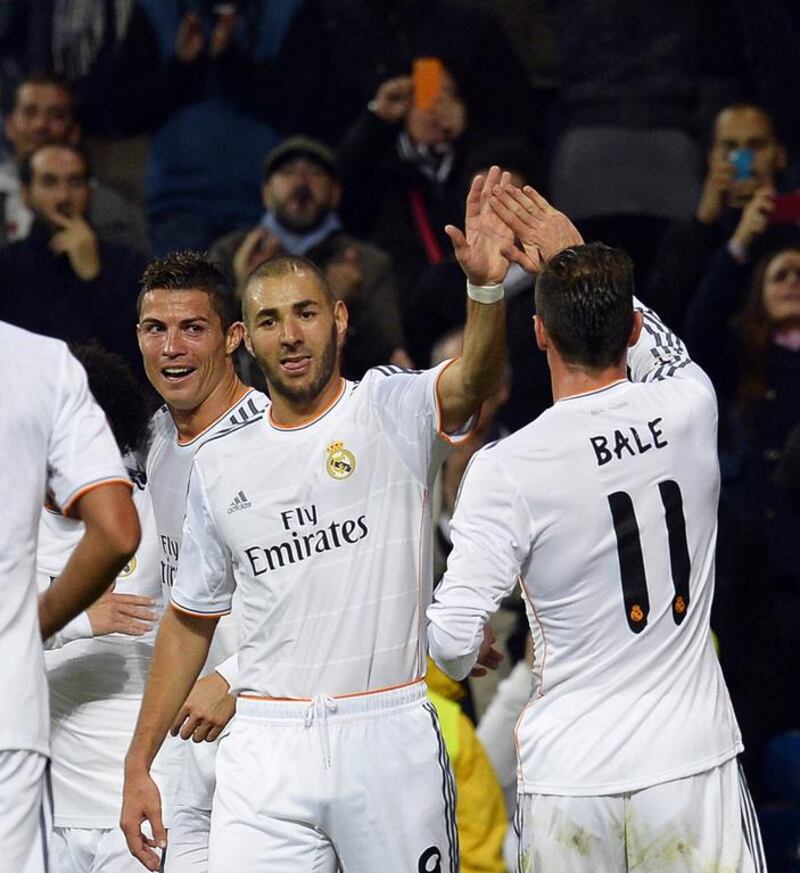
(239, 502)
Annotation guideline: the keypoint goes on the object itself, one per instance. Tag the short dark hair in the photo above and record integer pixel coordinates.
(45, 77)
(26, 164)
(584, 297)
(287, 264)
(119, 394)
(190, 271)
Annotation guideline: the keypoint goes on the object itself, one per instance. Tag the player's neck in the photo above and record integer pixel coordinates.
(289, 412)
(569, 381)
(190, 423)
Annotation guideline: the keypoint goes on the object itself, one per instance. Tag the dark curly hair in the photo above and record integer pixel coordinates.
(118, 393)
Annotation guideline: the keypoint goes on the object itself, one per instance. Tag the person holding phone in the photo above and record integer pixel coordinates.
(745, 161)
(401, 166)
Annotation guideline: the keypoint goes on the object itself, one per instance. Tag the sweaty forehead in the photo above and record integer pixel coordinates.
(284, 290)
(164, 304)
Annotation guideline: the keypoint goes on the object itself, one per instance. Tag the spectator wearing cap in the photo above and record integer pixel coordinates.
(301, 193)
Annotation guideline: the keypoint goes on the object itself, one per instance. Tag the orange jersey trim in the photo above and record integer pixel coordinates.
(335, 696)
(473, 418)
(67, 509)
(307, 421)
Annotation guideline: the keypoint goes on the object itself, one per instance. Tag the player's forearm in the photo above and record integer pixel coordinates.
(102, 552)
(180, 652)
(471, 379)
(484, 352)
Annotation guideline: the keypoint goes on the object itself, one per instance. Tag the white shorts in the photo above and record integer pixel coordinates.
(91, 850)
(26, 811)
(362, 781)
(702, 822)
(187, 841)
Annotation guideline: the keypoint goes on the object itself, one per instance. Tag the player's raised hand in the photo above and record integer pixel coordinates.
(141, 803)
(542, 230)
(479, 249)
(208, 708)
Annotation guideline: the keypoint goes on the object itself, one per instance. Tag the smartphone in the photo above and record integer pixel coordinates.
(787, 209)
(427, 77)
(742, 160)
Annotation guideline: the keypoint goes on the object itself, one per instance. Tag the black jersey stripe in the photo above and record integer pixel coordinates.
(233, 429)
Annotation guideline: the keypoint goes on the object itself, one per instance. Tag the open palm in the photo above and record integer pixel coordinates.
(479, 250)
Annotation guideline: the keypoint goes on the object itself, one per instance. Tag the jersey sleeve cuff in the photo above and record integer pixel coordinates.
(204, 612)
(76, 495)
(459, 434)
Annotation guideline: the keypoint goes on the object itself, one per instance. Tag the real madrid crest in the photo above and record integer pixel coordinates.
(341, 462)
(128, 570)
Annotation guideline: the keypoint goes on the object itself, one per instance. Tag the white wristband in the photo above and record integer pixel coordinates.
(485, 293)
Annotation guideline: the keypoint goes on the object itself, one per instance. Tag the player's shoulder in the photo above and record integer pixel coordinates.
(245, 423)
(387, 371)
(36, 351)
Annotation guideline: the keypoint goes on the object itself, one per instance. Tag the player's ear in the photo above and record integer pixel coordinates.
(636, 328)
(340, 316)
(248, 344)
(233, 337)
(540, 332)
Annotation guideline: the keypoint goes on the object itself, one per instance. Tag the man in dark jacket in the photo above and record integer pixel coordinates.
(301, 193)
(61, 280)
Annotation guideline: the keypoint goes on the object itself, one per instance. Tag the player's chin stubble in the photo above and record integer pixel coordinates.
(304, 393)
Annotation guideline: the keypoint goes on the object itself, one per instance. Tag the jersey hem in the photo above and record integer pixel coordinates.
(629, 786)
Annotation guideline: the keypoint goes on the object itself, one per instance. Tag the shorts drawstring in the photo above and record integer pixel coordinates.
(317, 710)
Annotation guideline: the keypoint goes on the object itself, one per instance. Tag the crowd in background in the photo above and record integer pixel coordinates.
(254, 128)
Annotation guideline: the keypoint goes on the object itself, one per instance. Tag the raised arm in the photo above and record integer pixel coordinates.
(479, 251)
(542, 231)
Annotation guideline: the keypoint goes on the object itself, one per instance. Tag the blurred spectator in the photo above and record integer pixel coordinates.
(61, 280)
(772, 41)
(437, 303)
(402, 172)
(480, 810)
(338, 52)
(43, 111)
(301, 193)
(195, 74)
(754, 361)
(725, 211)
(626, 164)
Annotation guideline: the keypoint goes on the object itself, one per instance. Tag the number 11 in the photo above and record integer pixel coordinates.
(631, 563)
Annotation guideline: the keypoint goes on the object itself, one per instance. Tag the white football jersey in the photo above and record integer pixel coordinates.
(54, 436)
(169, 463)
(605, 507)
(325, 530)
(96, 684)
